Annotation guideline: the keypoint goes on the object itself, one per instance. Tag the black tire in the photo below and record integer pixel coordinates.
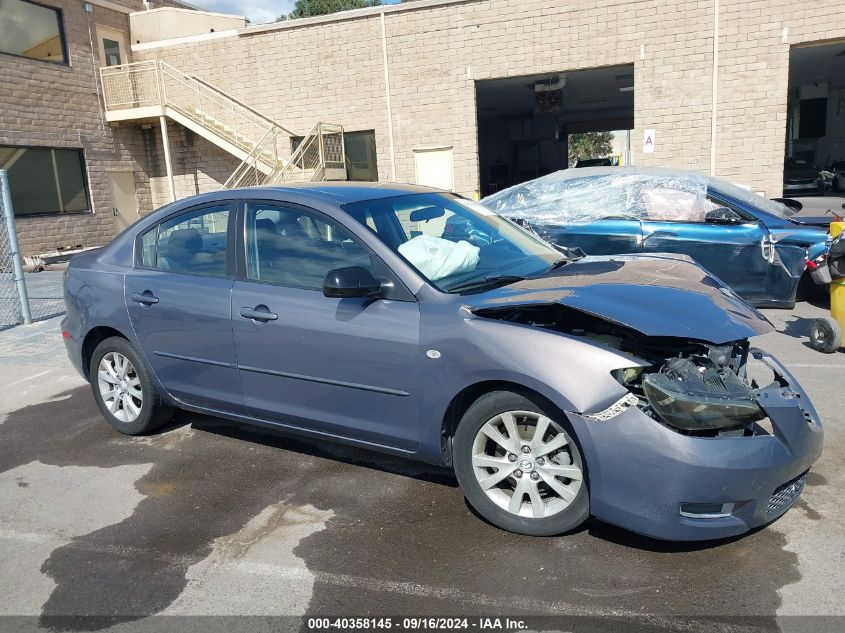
(836, 185)
(825, 335)
(154, 412)
(485, 409)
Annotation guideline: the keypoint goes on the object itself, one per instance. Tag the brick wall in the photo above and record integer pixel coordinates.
(53, 105)
(333, 71)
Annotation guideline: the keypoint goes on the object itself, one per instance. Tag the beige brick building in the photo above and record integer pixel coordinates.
(712, 79)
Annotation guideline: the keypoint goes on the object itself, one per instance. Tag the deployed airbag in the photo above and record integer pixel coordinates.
(437, 258)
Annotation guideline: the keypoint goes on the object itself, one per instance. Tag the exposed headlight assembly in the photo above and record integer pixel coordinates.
(692, 397)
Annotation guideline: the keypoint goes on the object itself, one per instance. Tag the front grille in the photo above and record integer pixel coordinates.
(784, 495)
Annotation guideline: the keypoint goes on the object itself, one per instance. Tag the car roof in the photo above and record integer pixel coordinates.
(334, 192)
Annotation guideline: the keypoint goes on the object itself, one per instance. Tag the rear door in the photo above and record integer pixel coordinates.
(608, 236)
(178, 297)
(593, 213)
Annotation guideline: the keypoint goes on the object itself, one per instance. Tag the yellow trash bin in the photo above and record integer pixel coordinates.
(826, 333)
(837, 286)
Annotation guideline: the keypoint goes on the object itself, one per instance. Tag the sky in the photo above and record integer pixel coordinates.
(258, 11)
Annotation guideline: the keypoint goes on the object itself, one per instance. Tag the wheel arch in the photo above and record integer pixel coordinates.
(94, 337)
(462, 401)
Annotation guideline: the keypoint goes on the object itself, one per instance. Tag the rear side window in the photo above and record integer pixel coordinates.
(193, 243)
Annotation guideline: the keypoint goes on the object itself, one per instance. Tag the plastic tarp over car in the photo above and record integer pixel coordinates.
(648, 195)
(587, 195)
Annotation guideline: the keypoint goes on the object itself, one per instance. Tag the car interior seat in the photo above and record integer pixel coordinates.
(180, 249)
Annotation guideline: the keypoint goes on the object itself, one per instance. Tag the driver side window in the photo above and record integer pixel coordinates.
(675, 205)
(291, 247)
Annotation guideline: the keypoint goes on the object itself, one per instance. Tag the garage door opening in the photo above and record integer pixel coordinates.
(815, 134)
(534, 125)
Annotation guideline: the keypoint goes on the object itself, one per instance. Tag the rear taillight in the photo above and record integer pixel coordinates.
(814, 264)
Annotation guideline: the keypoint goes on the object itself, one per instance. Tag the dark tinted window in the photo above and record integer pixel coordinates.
(294, 248)
(361, 161)
(31, 30)
(193, 243)
(44, 180)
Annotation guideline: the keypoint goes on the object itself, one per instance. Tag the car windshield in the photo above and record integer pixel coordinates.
(454, 243)
(754, 200)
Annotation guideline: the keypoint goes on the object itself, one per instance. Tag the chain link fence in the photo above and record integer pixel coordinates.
(10, 307)
(41, 294)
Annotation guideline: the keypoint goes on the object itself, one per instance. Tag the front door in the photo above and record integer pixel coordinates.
(674, 222)
(178, 297)
(344, 367)
(593, 213)
(124, 199)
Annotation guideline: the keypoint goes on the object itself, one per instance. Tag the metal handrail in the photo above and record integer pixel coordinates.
(248, 173)
(240, 103)
(157, 83)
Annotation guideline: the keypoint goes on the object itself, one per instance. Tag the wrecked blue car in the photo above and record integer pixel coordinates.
(755, 245)
(556, 387)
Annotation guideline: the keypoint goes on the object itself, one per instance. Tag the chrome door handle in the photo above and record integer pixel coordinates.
(147, 298)
(259, 313)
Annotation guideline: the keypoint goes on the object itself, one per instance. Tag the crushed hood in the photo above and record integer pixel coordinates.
(657, 295)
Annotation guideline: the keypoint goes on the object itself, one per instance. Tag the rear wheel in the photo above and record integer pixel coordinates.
(123, 389)
(825, 335)
(520, 466)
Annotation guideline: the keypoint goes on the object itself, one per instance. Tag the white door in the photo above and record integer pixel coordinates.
(124, 200)
(434, 167)
(111, 44)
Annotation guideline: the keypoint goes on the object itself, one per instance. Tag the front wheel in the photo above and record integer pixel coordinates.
(123, 389)
(520, 466)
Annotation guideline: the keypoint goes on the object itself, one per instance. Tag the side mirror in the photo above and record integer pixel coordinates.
(723, 215)
(353, 281)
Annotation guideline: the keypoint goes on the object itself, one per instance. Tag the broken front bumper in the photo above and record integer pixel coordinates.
(641, 473)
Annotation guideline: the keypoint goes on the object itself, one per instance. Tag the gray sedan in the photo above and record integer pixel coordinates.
(556, 387)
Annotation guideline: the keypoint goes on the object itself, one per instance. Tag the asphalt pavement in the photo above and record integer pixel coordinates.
(209, 518)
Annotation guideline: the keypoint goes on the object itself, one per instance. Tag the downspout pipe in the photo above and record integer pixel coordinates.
(715, 97)
(387, 99)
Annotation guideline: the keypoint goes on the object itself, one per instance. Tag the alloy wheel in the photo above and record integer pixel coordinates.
(120, 387)
(525, 463)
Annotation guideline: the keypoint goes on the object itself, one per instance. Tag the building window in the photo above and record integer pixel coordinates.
(360, 147)
(32, 30)
(361, 162)
(45, 181)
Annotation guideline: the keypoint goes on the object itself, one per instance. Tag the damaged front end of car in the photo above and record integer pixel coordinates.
(708, 439)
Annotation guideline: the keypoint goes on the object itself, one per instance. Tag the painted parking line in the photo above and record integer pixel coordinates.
(33, 377)
(816, 366)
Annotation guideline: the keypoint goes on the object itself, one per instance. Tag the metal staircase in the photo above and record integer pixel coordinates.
(149, 90)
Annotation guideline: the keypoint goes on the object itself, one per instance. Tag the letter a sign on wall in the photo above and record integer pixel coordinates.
(648, 142)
